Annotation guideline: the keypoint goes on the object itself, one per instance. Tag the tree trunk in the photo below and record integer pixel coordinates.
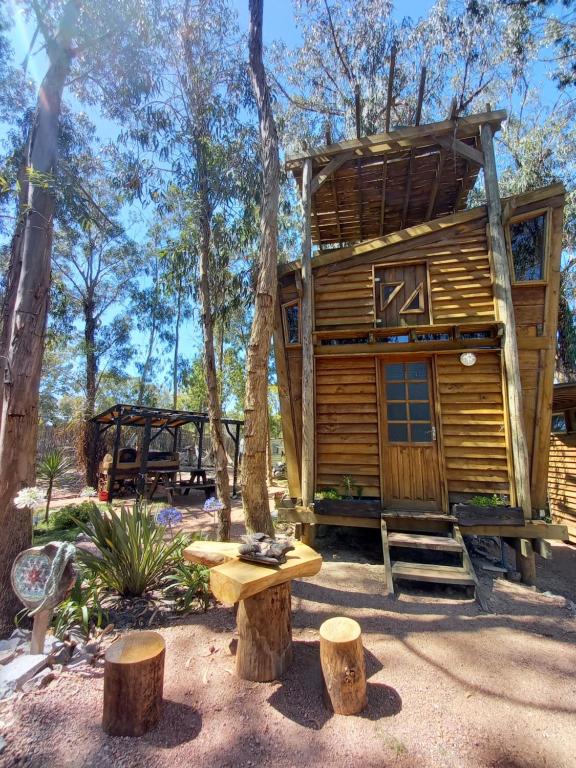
(48, 500)
(214, 404)
(26, 315)
(91, 434)
(151, 339)
(254, 485)
(176, 345)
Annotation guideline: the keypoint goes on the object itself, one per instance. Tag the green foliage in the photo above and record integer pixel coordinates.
(189, 586)
(351, 488)
(133, 556)
(72, 514)
(54, 466)
(488, 501)
(328, 493)
(82, 608)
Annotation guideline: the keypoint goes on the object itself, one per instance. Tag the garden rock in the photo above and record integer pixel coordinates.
(2, 744)
(20, 670)
(41, 680)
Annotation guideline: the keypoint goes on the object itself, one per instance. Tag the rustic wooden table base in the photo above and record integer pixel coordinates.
(264, 607)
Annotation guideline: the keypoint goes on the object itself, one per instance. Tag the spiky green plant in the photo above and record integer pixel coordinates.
(52, 467)
(132, 554)
(189, 584)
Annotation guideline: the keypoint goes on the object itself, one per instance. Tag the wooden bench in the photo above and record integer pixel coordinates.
(264, 615)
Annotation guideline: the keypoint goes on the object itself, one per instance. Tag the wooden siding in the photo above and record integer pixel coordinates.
(459, 275)
(347, 424)
(473, 425)
(562, 481)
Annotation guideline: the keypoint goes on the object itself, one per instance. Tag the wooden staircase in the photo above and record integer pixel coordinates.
(420, 545)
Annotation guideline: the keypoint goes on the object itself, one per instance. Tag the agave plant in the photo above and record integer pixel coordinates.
(53, 466)
(132, 554)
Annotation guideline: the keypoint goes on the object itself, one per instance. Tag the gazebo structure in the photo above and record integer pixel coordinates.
(156, 421)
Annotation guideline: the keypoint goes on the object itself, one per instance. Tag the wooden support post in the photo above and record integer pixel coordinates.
(42, 621)
(236, 455)
(525, 560)
(343, 666)
(200, 441)
(115, 453)
(358, 110)
(264, 634)
(308, 534)
(141, 484)
(307, 346)
(386, 556)
(133, 682)
(505, 308)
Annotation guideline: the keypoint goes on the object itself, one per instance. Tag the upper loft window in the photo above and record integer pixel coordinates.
(528, 248)
(291, 322)
(559, 425)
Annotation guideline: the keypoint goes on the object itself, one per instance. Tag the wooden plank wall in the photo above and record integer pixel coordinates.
(473, 424)
(460, 280)
(562, 481)
(347, 423)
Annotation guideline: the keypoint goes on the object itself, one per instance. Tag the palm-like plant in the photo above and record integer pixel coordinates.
(53, 466)
(133, 556)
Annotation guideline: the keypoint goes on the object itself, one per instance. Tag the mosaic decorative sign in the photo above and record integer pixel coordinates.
(29, 575)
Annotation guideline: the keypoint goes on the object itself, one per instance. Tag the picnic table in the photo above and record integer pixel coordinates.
(264, 616)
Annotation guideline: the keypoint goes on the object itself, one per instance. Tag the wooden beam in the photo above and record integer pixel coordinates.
(460, 148)
(402, 138)
(307, 345)
(358, 110)
(505, 310)
(435, 185)
(286, 405)
(328, 170)
(543, 419)
(383, 198)
(386, 556)
(359, 199)
(336, 211)
(420, 96)
(390, 87)
(408, 190)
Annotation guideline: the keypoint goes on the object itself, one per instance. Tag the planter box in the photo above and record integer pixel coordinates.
(470, 514)
(349, 507)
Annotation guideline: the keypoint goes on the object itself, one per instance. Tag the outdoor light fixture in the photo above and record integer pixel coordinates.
(467, 358)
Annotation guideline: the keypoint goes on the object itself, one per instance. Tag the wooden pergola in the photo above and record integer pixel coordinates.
(156, 421)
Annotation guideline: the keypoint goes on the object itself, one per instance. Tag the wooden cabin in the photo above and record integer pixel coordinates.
(562, 467)
(415, 347)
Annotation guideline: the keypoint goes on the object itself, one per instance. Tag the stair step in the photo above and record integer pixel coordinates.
(423, 541)
(417, 514)
(437, 574)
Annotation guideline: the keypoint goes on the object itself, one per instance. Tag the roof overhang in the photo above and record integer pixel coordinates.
(369, 187)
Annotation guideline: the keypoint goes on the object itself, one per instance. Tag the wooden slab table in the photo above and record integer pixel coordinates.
(264, 615)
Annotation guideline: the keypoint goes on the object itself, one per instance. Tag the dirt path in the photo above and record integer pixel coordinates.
(449, 686)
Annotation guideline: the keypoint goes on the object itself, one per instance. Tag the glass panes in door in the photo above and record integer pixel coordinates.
(408, 407)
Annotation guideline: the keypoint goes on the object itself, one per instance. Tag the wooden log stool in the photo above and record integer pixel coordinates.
(133, 682)
(264, 616)
(343, 667)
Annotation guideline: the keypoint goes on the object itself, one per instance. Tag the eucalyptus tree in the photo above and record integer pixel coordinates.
(100, 50)
(197, 127)
(254, 461)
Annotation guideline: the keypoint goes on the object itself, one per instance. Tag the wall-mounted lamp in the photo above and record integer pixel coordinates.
(468, 359)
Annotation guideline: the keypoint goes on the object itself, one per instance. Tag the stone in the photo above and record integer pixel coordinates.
(21, 634)
(2, 744)
(40, 680)
(9, 645)
(7, 656)
(19, 670)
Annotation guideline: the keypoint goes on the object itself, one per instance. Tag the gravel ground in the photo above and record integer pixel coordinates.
(449, 684)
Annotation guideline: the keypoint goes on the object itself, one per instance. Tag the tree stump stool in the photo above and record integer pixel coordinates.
(133, 682)
(343, 667)
(262, 592)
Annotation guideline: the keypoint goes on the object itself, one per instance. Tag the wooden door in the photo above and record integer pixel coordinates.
(410, 457)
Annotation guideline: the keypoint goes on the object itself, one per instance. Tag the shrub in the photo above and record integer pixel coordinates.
(72, 514)
(53, 467)
(81, 609)
(133, 556)
(189, 584)
(488, 501)
(328, 493)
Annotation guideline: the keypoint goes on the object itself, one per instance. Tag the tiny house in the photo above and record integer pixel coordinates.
(415, 347)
